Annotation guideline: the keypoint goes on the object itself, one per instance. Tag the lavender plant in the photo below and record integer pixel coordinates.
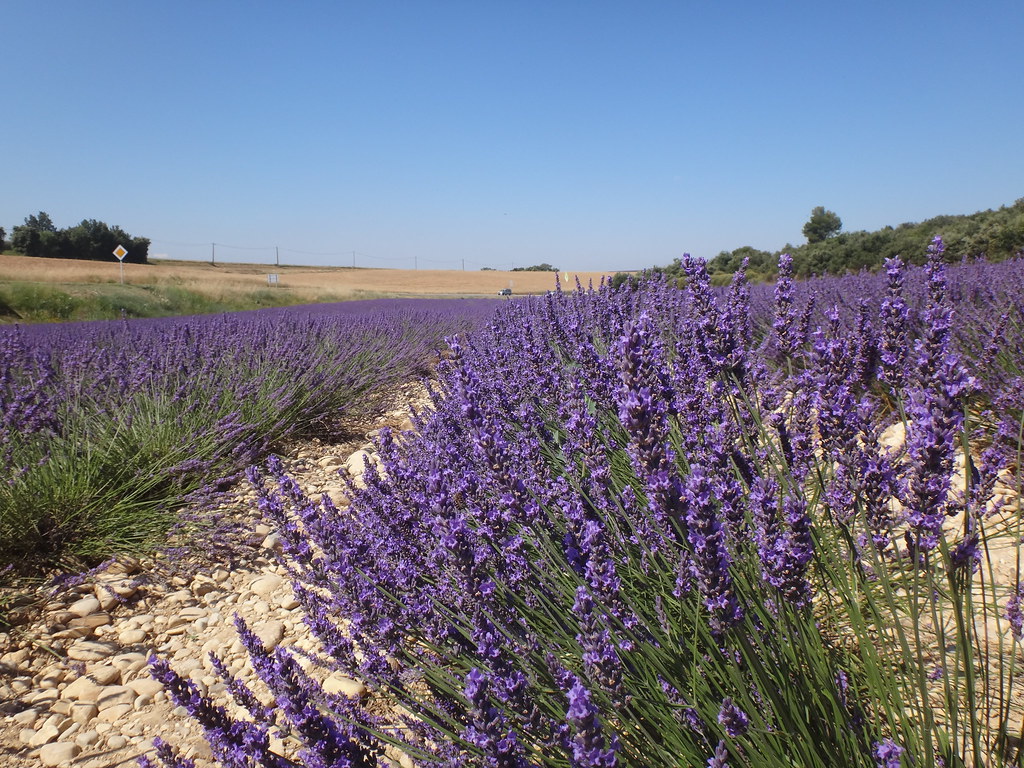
(107, 428)
(714, 534)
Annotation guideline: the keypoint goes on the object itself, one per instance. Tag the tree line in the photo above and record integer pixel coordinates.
(92, 240)
(994, 234)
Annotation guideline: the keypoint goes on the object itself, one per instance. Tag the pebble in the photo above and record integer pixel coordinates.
(266, 585)
(344, 686)
(59, 753)
(104, 674)
(84, 607)
(82, 689)
(84, 711)
(132, 637)
(270, 634)
(117, 741)
(87, 738)
(44, 735)
(91, 650)
(113, 695)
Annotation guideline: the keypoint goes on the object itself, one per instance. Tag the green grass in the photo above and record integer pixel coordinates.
(43, 303)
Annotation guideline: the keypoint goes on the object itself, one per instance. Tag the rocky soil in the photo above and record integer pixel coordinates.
(74, 685)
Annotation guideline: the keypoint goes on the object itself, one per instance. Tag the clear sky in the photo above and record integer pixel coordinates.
(589, 135)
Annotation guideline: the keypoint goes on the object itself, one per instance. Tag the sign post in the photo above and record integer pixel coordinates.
(120, 252)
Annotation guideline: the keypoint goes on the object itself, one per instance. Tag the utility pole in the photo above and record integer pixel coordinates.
(353, 259)
(415, 263)
(463, 265)
(277, 256)
(213, 253)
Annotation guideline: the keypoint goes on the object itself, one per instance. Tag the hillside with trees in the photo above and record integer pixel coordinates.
(91, 240)
(995, 234)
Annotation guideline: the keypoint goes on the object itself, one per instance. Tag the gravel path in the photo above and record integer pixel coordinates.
(74, 686)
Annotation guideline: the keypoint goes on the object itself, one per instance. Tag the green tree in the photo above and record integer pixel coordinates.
(822, 225)
(545, 267)
(3, 240)
(41, 222)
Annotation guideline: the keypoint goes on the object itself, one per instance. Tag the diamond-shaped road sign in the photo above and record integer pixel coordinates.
(120, 252)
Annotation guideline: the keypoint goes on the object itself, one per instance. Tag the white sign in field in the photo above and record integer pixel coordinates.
(271, 279)
(120, 252)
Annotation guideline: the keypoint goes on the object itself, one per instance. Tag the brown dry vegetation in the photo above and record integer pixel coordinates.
(308, 283)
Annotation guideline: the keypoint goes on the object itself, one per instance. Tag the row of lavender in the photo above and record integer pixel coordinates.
(669, 527)
(107, 428)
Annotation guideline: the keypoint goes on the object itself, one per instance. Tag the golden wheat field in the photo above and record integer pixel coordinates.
(312, 283)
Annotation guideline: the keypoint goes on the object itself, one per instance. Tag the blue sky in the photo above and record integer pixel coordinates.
(589, 135)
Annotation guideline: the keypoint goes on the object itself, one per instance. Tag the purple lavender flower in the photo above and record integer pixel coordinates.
(732, 718)
(488, 729)
(719, 759)
(711, 558)
(888, 754)
(894, 342)
(589, 746)
(785, 321)
(168, 757)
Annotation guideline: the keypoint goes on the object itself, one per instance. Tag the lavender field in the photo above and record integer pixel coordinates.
(662, 526)
(657, 525)
(107, 429)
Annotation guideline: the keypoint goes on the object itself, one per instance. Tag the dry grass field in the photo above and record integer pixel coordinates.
(305, 283)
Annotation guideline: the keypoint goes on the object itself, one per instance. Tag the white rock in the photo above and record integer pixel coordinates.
(356, 464)
(85, 606)
(117, 741)
(104, 674)
(345, 686)
(114, 713)
(270, 634)
(145, 685)
(44, 735)
(26, 718)
(87, 738)
(41, 698)
(84, 711)
(132, 637)
(266, 585)
(82, 689)
(21, 684)
(51, 678)
(289, 603)
(92, 621)
(15, 658)
(91, 650)
(59, 753)
(113, 695)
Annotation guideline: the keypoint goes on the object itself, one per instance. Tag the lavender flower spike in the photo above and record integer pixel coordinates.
(733, 719)
(887, 753)
(588, 744)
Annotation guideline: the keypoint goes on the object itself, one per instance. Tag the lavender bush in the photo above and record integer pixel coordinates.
(105, 428)
(676, 527)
